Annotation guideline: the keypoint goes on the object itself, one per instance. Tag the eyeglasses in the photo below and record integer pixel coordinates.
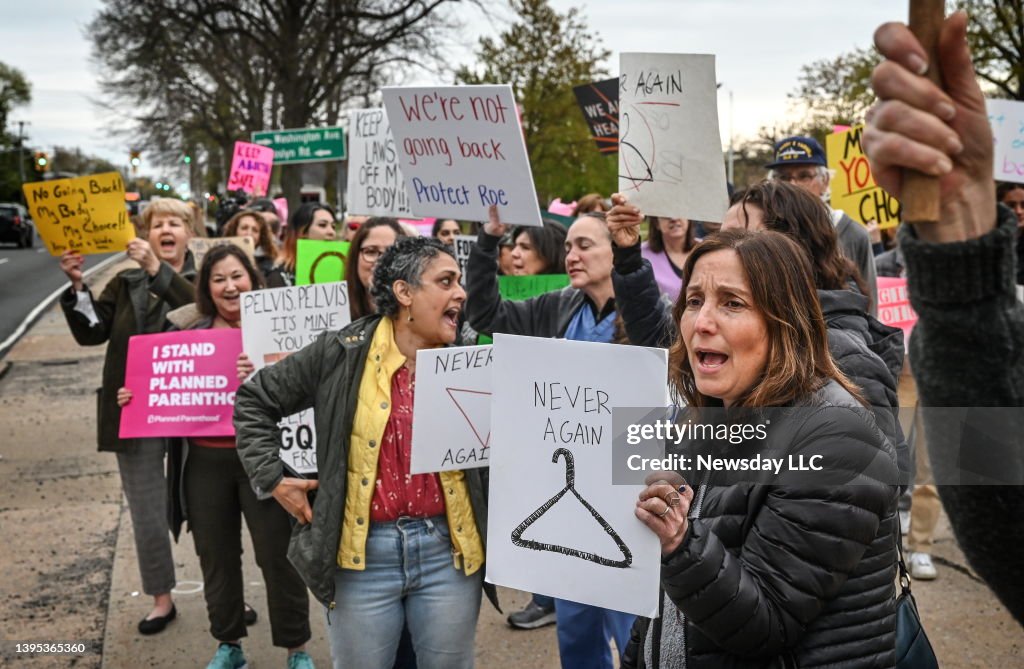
(371, 253)
(801, 177)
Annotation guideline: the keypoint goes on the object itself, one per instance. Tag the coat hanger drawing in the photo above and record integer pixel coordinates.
(570, 480)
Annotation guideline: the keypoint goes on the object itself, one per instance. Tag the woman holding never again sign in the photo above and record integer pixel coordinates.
(137, 301)
(379, 547)
(583, 311)
(770, 574)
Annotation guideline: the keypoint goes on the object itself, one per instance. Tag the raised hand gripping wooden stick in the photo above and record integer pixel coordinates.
(920, 193)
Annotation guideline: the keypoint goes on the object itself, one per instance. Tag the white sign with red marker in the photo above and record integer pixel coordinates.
(451, 416)
(670, 149)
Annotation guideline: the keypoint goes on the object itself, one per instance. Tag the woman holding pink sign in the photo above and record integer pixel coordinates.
(210, 490)
(136, 301)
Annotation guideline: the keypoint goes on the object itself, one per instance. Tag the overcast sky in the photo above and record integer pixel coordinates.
(759, 44)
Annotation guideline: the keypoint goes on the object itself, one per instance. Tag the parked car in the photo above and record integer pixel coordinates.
(16, 226)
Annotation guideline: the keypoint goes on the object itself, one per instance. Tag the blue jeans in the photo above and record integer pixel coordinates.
(584, 632)
(544, 602)
(409, 578)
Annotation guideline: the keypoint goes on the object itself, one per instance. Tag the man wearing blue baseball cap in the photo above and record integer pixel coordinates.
(801, 161)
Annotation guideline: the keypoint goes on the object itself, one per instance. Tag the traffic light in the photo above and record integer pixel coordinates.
(187, 159)
(135, 160)
(41, 161)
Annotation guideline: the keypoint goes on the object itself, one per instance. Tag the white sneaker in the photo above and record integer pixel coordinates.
(921, 567)
(904, 523)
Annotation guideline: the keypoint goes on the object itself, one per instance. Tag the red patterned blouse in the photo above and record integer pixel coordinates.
(399, 493)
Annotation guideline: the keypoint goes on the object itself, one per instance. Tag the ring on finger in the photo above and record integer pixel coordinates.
(665, 512)
(672, 499)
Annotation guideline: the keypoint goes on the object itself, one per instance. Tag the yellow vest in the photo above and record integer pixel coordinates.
(373, 409)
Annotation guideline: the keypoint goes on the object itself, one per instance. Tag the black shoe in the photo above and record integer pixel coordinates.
(532, 617)
(157, 625)
(249, 616)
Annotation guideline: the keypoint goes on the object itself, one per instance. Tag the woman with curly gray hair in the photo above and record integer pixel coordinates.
(379, 547)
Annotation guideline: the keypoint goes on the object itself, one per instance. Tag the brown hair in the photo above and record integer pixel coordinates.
(358, 295)
(589, 203)
(266, 236)
(779, 275)
(806, 220)
(656, 242)
(204, 298)
(299, 224)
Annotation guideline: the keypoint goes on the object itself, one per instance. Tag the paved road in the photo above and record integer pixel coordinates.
(28, 276)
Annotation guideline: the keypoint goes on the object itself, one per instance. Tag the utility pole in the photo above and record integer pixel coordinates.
(21, 150)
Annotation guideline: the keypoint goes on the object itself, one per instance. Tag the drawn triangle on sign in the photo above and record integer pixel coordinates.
(475, 407)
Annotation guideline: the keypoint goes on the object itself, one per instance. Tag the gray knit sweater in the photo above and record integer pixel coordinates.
(967, 352)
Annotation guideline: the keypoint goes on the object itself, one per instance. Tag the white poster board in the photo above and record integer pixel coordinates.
(463, 247)
(1007, 119)
(551, 422)
(462, 150)
(277, 322)
(451, 417)
(375, 183)
(670, 148)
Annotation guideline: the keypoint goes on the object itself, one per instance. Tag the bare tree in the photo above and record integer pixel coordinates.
(196, 75)
(996, 35)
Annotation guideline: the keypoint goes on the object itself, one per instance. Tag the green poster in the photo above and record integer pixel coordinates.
(518, 288)
(320, 261)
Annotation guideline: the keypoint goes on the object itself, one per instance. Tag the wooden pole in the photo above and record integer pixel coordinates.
(920, 194)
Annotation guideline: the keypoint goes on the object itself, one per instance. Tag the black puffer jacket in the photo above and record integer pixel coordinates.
(868, 352)
(773, 576)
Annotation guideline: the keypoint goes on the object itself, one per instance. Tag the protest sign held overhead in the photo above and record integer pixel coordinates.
(853, 187)
(556, 525)
(462, 150)
(375, 183)
(1007, 119)
(183, 384)
(600, 104)
(451, 417)
(463, 247)
(84, 214)
(670, 150)
(200, 246)
(280, 321)
(250, 168)
(320, 261)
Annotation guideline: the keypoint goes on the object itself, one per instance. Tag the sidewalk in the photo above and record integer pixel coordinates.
(68, 557)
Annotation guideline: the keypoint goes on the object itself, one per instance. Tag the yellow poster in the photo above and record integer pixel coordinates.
(853, 187)
(86, 214)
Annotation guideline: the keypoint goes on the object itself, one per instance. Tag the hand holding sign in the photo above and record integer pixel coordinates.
(71, 263)
(624, 221)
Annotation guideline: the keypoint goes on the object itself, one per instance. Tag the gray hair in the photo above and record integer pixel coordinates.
(405, 261)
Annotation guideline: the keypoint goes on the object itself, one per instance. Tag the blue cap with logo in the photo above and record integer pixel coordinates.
(798, 151)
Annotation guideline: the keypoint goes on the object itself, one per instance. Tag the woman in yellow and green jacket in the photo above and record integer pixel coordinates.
(378, 546)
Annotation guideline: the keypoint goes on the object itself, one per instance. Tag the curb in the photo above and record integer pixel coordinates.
(47, 301)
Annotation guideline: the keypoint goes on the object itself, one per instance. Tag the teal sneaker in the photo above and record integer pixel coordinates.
(228, 657)
(300, 660)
